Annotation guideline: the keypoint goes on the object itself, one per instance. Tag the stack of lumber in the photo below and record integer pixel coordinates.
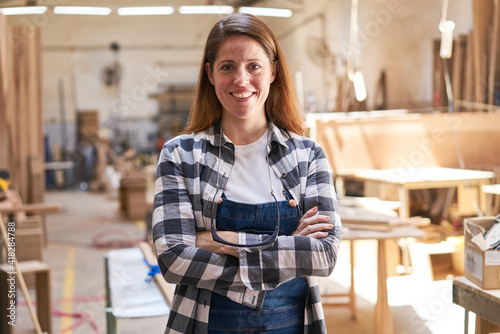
(133, 195)
(371, 213)
(4, 85)
(475, 64)
(346, 98)
(88, 127)
(21, 123)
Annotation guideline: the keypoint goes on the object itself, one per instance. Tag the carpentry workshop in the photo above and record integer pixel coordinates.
(376, 126)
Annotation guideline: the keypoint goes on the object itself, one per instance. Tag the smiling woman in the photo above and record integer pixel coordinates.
(281, 107)
(245, 214)
(242, 75)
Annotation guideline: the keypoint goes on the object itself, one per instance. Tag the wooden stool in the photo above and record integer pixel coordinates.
(43, 294)
(351, 294)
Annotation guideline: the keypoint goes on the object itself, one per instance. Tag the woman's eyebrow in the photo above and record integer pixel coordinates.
(233, 61)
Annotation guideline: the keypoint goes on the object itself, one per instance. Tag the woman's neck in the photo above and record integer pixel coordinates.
(243, 133)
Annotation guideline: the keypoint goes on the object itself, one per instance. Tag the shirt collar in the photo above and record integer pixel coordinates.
(214, 137)
(277, 134)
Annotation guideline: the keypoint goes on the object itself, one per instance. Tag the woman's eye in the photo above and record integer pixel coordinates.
(255, 66)
(226, 67)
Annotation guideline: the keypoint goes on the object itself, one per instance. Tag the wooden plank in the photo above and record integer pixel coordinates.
(37, 179)
(44, 300)
(28, 266)
(10, 108)
(3, 52)
(33, 208)
(36, 159)
(493, 53)
(383, 315)
(35, 91)
(4, 84)
(24, 114)
(482, 19)
(496, 73)
(19, 168)
(459, 67)
(439, 88)
(165, 288)
(469, 71)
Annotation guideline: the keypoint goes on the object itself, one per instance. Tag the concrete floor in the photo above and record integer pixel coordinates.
(418, 307)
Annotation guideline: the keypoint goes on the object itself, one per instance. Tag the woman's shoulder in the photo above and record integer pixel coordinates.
(185, 148)
(301, 147)
(187, 141)
(299, 141)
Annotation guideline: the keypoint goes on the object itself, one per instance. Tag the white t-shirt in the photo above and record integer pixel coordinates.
(249, 179)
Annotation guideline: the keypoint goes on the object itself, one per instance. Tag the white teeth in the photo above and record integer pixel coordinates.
(242, 95)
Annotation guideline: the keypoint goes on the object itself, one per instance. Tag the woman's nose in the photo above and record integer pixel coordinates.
(242, 77)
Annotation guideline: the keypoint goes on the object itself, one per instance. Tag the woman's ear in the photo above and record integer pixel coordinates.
(275, 71)
(209, 72)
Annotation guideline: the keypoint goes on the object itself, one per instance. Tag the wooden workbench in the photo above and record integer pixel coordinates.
(484, 303)
(383, 314)
(407, 179)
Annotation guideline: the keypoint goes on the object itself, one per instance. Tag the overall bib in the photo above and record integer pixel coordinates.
(283, 309)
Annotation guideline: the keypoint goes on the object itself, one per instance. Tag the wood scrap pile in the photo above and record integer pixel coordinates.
(475, 64)
(21, 123)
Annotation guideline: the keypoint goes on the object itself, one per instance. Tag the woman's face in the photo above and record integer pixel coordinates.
(242, 75)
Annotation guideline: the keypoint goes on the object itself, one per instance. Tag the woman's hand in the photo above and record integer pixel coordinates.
(313, 225)
(205, 241)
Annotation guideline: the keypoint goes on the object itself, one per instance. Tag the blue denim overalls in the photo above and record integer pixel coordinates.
(283, 309)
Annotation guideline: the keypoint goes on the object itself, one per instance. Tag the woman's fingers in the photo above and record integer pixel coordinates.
(310, 213)
(313, 228)
(318, 235)
(314, 231)
(313, 225)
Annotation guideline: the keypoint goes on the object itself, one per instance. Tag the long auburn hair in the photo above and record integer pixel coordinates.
(281, 107)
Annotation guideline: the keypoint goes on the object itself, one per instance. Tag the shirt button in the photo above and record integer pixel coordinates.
(283, 175)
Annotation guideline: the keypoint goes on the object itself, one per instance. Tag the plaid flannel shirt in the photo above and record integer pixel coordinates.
(185, 189)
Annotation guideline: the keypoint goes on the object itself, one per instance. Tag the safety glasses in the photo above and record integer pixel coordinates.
(215, 236)
(267, 241)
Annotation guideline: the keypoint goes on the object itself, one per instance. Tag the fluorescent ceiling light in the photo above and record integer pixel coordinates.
(263, 11)
(359, 86)
(82, 10)
(23, 10)
(151, 10)
(206, 10)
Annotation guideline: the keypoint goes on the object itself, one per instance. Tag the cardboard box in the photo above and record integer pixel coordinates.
(133, 196)
(88, 127)
(481, 267)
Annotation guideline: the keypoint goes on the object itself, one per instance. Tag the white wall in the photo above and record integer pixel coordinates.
(396, 36)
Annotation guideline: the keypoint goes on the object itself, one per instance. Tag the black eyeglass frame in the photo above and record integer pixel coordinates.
(267, 241)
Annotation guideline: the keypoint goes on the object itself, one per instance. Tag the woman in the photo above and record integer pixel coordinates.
(240, 175)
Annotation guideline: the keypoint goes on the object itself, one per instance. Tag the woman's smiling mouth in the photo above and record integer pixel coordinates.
(242, 95)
